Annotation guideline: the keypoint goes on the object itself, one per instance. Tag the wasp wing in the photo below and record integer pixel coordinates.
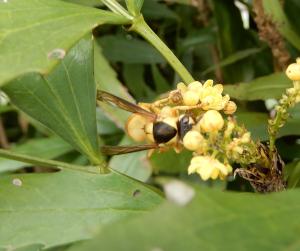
(124, 104)
(116, 150)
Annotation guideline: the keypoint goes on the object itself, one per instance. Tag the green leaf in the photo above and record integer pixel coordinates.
(275, 11)
(235, 57)
(47, 148)
(271, 86)
(154, 10)
(171, 162)
(129, 50)
(106, 79)
(214, 220)
(198, 38)
(292, 173)
(161, 84)
(134, 78)
(64, 100)
(255, 122)
(62, 207)
(135, 165)
(90, 3)
(134, 6)
(30, 30)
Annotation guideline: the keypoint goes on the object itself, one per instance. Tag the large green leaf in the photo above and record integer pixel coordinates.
(57, 208)
(30, 30)
(271, 86)
(214, 220)
(47, 148)
(65, 100)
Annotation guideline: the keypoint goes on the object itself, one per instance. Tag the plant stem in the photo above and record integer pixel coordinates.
(287, 101)
(46, 163)
(115, 7)
(141, 27)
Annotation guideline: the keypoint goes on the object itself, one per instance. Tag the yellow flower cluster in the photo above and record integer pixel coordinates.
(209, 96)
(202, 138)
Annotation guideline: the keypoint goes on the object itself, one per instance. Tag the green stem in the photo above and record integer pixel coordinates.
(141, 27)
(46, 163)
(115, 7)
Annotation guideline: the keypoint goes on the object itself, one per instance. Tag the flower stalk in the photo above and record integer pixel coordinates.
(287, 101)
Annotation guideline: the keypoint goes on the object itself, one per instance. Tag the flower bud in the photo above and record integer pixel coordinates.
(181, 87)
(293, 72)
(190, 98)
(230, 107)
(212, 121)
(135, 127)
(208, 83)
(246, 138)
(193, 140)
(196, 87)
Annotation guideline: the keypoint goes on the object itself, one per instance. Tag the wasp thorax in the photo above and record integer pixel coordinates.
(165, 131)
(193, 140)
(212, 121)
(135, 127)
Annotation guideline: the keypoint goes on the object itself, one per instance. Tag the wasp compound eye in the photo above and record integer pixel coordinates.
(163, 132)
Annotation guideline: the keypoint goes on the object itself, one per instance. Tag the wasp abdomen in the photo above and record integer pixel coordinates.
(163, 132)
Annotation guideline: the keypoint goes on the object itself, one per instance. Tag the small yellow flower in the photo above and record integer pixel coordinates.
(293, 71)
(246, 138)
(181, 87)
(193, 140)
(208, 167)
(190, 98)
(229, 129)
(196, 87)
(230, 107)
(211, 98)
(212, 121)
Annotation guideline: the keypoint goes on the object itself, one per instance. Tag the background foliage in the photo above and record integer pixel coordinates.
(55, 54)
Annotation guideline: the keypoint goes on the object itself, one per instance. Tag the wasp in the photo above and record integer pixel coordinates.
(161, 127)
